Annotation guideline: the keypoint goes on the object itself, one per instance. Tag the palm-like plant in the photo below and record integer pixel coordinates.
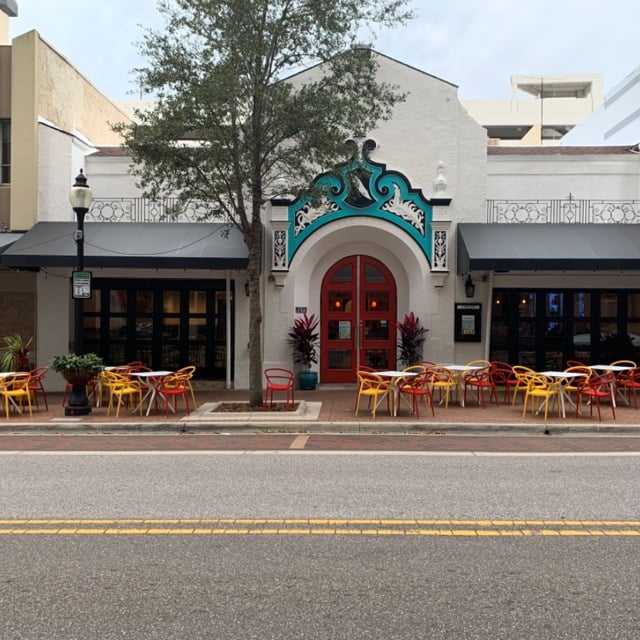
(303, 338)
(411, 339)
(15, 353)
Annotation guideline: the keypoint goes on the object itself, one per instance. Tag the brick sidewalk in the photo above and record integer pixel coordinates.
(337, 408)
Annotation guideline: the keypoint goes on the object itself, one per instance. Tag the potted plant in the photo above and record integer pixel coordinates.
(77, 370)
(412, 335)
(303, 338)
(15, 353)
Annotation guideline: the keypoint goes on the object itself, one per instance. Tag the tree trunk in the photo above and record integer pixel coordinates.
(255, 316)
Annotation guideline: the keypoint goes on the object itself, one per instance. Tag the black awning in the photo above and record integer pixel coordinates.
(130, 245)
(544, 247)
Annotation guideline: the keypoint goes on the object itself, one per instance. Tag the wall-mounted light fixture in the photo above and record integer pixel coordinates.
(469, 287)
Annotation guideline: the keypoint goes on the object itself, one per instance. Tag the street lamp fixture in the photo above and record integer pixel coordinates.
(80, 197)
(469, 287)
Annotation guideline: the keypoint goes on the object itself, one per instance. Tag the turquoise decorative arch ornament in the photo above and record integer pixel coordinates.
(361, 188)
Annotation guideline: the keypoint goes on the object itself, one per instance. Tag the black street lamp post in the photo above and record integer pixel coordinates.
(80, 197)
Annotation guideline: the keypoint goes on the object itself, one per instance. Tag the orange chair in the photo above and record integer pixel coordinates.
(594, 389)
(36, 386)
(279, 379)
(173, 386)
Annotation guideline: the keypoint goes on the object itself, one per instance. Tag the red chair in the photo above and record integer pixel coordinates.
(279, 379)
(594, 389)
(629, 383)
(418, 387)
(173, 386)
(481, 380)
(504, 375)
(36, 386)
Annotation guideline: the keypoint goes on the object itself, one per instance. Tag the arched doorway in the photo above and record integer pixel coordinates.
(358, 303)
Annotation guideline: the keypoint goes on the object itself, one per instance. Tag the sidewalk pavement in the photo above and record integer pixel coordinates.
(327, 409)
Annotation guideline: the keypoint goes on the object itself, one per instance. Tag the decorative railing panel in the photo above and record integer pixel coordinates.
(146, 210)
(564, 211)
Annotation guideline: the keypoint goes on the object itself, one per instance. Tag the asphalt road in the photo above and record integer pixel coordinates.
(297, 544)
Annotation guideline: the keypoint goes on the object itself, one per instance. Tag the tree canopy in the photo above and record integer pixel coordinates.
(235, 123)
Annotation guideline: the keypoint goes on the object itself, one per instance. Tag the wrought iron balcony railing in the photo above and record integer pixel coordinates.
(146, 210)
(567, 211)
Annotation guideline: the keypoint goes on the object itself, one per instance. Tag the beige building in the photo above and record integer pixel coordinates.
(51, 118)
(540, 110)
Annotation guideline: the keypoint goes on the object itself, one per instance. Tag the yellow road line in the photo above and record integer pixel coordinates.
(318, 527)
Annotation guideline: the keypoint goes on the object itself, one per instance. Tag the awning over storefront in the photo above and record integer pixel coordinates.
(544, 247)
(130, 245)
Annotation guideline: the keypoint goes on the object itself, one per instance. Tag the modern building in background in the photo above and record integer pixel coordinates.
(528, 253)
(541, 108)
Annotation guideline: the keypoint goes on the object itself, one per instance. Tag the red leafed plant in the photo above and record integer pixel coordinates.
(303, 338)
(412, 335)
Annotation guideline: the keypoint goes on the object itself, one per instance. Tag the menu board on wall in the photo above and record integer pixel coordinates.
(468, 322)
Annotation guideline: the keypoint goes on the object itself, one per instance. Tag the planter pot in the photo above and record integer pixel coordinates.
(77, 401)
(307, 380)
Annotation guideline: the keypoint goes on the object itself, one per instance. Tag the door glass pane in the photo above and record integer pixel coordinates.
(527, 305)
(581, 304)
(633, 305)
(345, 274)
(171, 301)
(339, 358)
(608, 342)
(117, 301)
(373, 275)
(339, 301)
(197, 328)
(144, 301)
(376, 330)
(197, 302)
(339, 330)
(377, 301)
(609, 305)
(377, 358)
(555, 304)
(171, 328)
(144, 328)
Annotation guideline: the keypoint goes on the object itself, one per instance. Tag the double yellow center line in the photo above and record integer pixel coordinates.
(318, 526)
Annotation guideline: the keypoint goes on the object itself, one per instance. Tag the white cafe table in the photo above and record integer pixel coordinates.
(558, 377)
(394, 377)
(459, 371)
(613, 368)
(151, 379)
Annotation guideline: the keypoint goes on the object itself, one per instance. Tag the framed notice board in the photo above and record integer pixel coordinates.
(468, 322)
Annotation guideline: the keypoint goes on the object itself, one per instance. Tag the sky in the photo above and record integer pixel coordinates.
(474, 44)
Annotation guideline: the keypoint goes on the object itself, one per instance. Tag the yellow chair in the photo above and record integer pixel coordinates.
(522, 375)
(120, 388)
(443, 380)
(188, 373)
(16, 388)
(546, 389)
(571, 385)
(375, 388)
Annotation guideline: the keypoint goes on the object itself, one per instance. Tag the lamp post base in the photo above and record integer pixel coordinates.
(77, 403)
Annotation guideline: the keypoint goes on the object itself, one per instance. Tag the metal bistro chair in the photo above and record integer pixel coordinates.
(374, 387)
(545, 389)
(522, 374)
(36, 387)
(594, 389)
(504, 375)
(279, 379)
(121, 389)
(15, 388)
(417, 387)
(482, 380)
(174, 386)
(628, 382)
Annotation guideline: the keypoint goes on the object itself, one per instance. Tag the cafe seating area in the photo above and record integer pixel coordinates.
(576, 391)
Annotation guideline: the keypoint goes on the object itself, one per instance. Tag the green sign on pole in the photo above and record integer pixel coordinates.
(81, 285)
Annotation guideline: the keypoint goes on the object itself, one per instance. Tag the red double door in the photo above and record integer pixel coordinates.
(358, 316)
